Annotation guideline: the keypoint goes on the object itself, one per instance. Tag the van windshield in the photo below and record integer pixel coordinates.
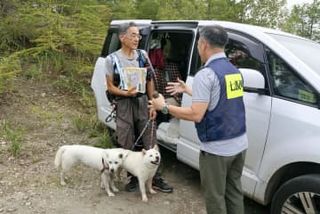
(308, 51)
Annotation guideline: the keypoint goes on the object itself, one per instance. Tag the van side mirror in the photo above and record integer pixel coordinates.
(254, 81)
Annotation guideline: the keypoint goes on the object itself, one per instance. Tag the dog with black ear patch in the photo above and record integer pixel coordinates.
(107, 161)
(114, 162)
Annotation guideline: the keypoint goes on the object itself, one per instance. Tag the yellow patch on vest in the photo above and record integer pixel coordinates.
(234, 86)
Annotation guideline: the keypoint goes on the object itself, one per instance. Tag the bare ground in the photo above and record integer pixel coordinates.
(29, 182)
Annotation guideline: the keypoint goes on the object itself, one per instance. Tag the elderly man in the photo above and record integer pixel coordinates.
(132, 102)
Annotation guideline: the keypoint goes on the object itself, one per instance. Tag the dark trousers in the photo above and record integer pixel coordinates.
(221, 183)
(132, 116)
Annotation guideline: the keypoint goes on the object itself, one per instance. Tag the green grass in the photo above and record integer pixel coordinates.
(78, 88)
(33, 72)
(104, 135)
(94, 129)
(103, 141)
(46, 115)
(13, 137)
(82, 123)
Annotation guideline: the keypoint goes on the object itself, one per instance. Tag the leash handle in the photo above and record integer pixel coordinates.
(112, 114)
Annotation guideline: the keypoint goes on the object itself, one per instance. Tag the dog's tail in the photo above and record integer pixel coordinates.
(57, 160)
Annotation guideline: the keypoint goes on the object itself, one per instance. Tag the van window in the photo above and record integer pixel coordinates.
(170, 46)
(114, 43)
(111, 43)
(239, 55)
(287, 84)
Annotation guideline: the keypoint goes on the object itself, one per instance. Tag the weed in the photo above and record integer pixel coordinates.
(33, 72)
(104, 141)
(106, 138)
(82, 123)
(94, 129)
(80, 89)
(46, 114)
(14, 136)
(87, 98)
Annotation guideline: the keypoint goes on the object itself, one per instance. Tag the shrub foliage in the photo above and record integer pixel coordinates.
(54, 37)
(62, 38)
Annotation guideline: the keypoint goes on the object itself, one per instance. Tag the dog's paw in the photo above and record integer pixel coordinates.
(115, 189)
(110, 194)
(101, 185)
(152, 191)
(144, 199)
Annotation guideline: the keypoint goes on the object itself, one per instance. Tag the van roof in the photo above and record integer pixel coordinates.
(137, 21)
(247, 28)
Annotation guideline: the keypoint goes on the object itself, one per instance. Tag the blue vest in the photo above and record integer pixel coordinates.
(227, 119)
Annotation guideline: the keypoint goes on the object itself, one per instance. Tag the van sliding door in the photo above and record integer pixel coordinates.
(169, 52)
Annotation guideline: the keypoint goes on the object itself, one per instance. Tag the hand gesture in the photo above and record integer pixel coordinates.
(176, 87)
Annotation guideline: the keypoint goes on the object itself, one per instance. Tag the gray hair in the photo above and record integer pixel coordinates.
(124, 27)
(215, 35)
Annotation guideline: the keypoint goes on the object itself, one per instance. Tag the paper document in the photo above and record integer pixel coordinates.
(135, 77)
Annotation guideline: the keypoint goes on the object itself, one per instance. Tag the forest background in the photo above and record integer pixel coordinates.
(59, 40)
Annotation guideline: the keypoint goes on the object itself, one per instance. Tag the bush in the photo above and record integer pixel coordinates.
(59, 38)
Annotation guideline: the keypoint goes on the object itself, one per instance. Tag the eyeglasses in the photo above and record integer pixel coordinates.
(134, 35)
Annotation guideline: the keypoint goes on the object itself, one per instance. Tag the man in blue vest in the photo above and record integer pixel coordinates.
(219, 115)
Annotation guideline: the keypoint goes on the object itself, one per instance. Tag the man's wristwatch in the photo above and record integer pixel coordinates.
(165, 109)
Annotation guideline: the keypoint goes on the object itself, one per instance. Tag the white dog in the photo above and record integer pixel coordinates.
(143, 165)
(107, 161)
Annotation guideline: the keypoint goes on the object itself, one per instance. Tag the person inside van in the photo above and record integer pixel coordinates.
(167, 71)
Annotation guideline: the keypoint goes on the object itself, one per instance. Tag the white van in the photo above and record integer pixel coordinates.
(282, 84)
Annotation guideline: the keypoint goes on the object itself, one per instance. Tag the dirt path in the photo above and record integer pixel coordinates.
(29, 183)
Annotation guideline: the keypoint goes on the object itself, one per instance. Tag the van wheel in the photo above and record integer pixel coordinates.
(299, 195)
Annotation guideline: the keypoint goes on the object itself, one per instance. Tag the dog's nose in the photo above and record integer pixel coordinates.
(157, 158)
(111, 170)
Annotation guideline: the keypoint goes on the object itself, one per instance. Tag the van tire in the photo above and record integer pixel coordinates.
(288, 196)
